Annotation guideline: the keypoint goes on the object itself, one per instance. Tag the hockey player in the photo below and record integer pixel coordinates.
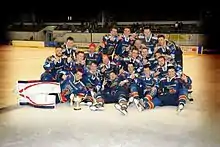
(110, 43)
(124, 44)
(71, 86)
(53, 65)
(143, 57)
(161, 69)
(118, 61)
(137, 45)
(112, 93)
(148, 86)
(153, 60)
(92, 81)
(78, 64)
(169, 59)
(176, 52)
(149, 39)
(68, 48)
(131, 80)
(91, 56)
(162, 46)
(106, 67)
(134, 59)
(187, 83)
(171, 92)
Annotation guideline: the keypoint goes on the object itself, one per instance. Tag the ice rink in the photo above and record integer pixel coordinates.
(197, 126)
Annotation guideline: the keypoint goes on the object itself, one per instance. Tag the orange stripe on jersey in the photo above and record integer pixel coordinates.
(148, 97)
(182, 97)
(81, 94)
(134, 94)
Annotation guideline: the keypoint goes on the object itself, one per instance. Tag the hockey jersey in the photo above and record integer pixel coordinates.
(71, 86)
(169, 85)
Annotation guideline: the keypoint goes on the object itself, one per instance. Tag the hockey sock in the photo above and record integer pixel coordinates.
(182, 99)
(148, 97)
(149, 105)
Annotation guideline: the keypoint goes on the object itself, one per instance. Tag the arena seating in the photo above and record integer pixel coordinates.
(156, 28)
(26, 28)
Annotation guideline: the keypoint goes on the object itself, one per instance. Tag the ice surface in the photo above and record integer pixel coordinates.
(64, 127)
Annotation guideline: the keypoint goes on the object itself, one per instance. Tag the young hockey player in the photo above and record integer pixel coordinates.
(149, 87)
(162, 67)
(134, 59)
(78, 64)
(187, 83)
(106, 67)
(176, 52)
(91, 56)
(131, 81)
(92, 81)
(149, 40)
(112, 92)
(72, 85)
(53, 65)
(110, 43)
(124, 44)
(69, 51)
(162, 46)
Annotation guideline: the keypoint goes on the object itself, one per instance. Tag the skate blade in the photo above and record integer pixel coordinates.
(118, 107)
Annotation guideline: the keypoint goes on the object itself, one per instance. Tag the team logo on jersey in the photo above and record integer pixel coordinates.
(80, 87)
(113, 92)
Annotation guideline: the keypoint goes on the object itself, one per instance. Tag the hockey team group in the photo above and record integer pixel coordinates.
(141, 69)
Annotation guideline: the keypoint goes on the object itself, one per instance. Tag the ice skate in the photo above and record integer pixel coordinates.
(180, 108)
(130, 101)
(139, 104)
(89, 104)
(86, 103)
(97, 107)
(191, 100)
(121, 108)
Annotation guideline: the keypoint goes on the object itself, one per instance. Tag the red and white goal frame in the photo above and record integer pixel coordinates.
(37, 93)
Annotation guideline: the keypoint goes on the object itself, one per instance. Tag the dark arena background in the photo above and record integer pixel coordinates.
(32, 37)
